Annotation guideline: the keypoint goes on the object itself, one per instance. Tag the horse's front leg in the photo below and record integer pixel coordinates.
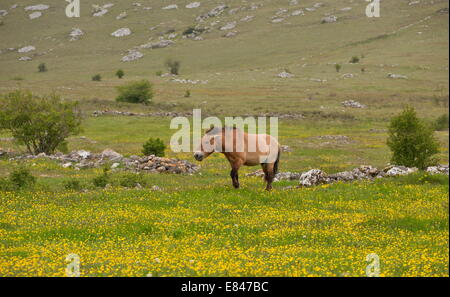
(235, 177)
(268, 175)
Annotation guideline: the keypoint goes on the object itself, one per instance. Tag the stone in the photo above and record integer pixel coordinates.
(159, 44)
(35, 15)
(67, 165)
(115, 165)
(247, 18)
(37, 7)
(3, 13)
(313, 177)
(193, 5)
(75, 34)
(228, 26)
(25, 58)
(297, 12)
(329, 19)
(26, 49)
(439, 169)
(121, 32)
(353, 104)
(216, 11)
(277, 20)
(122, 15)
(111, 155)
(396, 76)
(399, 170)
(285, 74)
(171, 6)
(132, 56)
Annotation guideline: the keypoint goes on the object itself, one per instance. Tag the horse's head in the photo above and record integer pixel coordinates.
(208, 144)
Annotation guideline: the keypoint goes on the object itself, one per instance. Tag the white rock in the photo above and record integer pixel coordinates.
(26, 49)
(122, 15)
(115, 165)
(82, 154)
(400, 170)
(353, 104)
(132, 56)
(35, 15)
(297, 12)
(171, 6)
(346, 9)
(397, 76)
(193, 5)
(121, 32)
(228, 26)
(293, 2)
(313, 177)
(37, 7)
(277, 20)
(25, 58)
(329, 19)
(285, 74)
(111, 155)
(247, 18)
(75, 34)
(440, 169)
(67, 165)
(3, 13)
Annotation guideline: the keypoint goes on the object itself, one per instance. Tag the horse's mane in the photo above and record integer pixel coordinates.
(217, 130)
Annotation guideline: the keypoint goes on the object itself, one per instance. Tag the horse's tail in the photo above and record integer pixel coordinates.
(277, 161)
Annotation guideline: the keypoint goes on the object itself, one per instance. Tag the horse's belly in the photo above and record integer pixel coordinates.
(253, 159)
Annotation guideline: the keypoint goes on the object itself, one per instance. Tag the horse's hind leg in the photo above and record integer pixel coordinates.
(268, 174)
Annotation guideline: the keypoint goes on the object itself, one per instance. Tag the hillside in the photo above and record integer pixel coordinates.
(409, 39)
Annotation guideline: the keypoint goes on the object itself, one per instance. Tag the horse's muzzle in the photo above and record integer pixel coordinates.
(198, 156)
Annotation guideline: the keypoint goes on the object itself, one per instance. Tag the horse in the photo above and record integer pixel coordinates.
(241, 148)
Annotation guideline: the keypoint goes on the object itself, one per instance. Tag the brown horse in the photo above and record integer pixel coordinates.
(241, 148)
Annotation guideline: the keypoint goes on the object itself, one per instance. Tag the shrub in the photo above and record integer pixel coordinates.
(187, 94)
(354, 60)
(154, 146)
(441, 123)
(97, 77)
(120, 73)
(131, 180)
(21, 177)
(135, 92)
(363, 70)
(72, 184)
(158, 73)
(39, 123)
(102, 180)
(338, 67)
(411, 140)
(42, 67)
(173, 66)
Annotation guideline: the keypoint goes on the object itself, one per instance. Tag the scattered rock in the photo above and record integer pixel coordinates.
(35, 15)
(297, 12)
(122, 15)
(247, 18)
(285, 148)
(171, 6)
(26, 49)
(25, 58)
(193, 5)
(230, 34)
(75, 34)
(348, 75)
(346, 9)
(293, 2)
(228, 26)
(398, 170)
(353, 104)
(313, 177)
(132, 56)
(216, 11)
(3, 13)
(285, 74)
(37, 7)
(440, 169)
(159, 44)
(277, 20)
(121, 32)
(329, 19)
(396, 76)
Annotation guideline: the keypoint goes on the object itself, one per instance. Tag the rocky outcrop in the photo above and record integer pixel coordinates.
(132, 56)
(35, 15)
(121, 32)
(396, 76)
(36, 7)
(216, 11)
(75, 34)
(353, 104)
(84, 159)
(158, 44)
(193, 5)
(26, 49)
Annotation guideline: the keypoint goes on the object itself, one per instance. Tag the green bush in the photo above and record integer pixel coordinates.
(135, 92)
(338, 67)
(41, 124)
(120, 73)
(102, 180)
(97, 77)
(154, 146)
(131, 180)
(187, 94)
(72, 184)
(158, 73)
(354, 60)
(411, 140)
(21, 177)
(42, 67)
(441, 123)
(173, 66)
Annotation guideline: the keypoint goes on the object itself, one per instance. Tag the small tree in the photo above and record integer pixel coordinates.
(39, 123)
(411, 140)
(173, 66)
(154, 146)
(97, 77)
(120, 73)
(42, 67)
(135, 92)
(354, 60)
(338, 67)
(441, 123)
(187, 94)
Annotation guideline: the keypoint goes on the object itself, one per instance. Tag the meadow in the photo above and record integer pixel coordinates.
(198, 225)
